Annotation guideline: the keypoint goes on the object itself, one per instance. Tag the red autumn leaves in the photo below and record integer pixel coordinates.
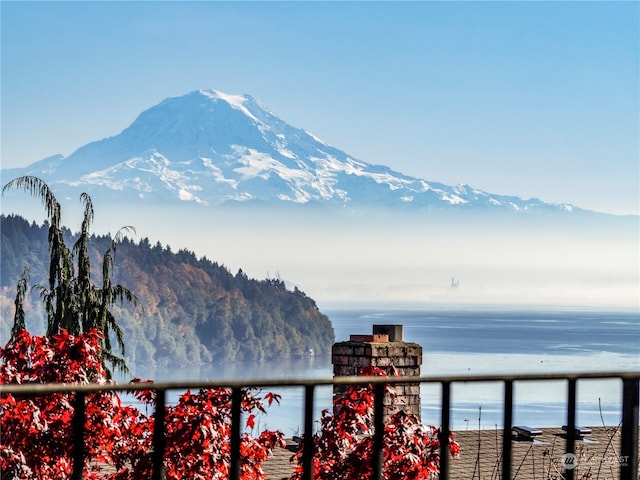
(344, 446)
(36, 443)
(36, 431)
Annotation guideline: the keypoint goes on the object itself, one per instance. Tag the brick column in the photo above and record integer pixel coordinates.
(360, 351)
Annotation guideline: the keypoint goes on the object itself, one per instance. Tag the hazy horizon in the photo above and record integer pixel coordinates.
(386, 258)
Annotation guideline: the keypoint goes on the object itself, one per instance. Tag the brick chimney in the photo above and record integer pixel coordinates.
(384, 349)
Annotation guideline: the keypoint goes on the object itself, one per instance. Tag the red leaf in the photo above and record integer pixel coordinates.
(251, 421)
(271, 397)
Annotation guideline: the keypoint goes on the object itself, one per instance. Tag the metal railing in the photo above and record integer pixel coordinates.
(629, 431)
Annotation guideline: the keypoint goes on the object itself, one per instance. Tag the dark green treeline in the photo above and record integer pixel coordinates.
(191, 311)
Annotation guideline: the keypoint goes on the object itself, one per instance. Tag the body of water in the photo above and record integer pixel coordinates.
(473, 341)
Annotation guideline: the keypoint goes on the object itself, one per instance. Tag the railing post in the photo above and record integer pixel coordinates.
(309, 445)
(506, 430)
(629, 451)
(378, 432)
(236, 418)
(444, 430)
(159, 440)
(77, 435)
(571, 428)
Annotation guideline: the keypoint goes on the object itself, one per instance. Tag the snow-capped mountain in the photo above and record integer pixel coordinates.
(211, 148)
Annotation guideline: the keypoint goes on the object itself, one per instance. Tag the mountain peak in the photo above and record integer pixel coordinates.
(236, 101)
(209, 147)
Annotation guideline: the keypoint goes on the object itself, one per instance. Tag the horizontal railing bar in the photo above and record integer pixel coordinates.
(37, 388)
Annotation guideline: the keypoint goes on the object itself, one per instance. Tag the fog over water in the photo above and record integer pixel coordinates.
(346, 256)
(366, 258)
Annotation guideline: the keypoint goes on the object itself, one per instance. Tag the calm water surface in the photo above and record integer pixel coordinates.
(464, 341)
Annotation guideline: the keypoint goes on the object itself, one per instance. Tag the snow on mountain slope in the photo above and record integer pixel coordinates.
(211, 148)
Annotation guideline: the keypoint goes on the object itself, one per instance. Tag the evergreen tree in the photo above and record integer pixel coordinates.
(72, 301)
(18, 319)
(195, 310)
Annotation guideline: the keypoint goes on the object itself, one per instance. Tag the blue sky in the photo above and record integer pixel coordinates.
(535, 99)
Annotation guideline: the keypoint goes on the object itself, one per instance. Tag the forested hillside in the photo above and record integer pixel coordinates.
(191, 311)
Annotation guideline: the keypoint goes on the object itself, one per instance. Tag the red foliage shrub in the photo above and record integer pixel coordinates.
(344, 445)
(36, 438)
(36, 431)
